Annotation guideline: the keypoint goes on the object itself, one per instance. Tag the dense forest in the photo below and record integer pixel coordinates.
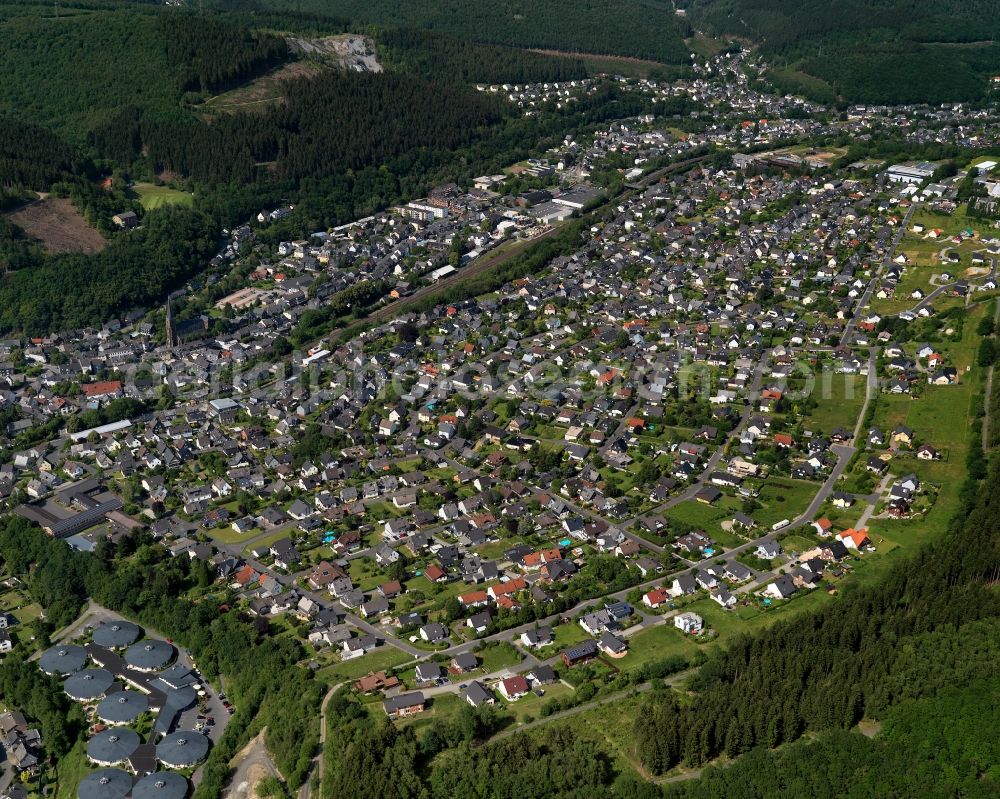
(75, 72)
(212, 54)
(407, 134)
(888, 52)
(945, 745)
(75, 290)
(639, 28)
(438, 56)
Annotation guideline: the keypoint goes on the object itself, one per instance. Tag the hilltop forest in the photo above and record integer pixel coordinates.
(636, 28)
(886, 52)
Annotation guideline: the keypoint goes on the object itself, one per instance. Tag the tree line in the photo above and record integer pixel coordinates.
(829, 669)
(213, 54)
(892, 52)
(610, 27)
(438, 56)
(73, 290)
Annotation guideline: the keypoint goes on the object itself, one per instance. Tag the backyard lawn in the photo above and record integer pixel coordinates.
(496, 656)
(385, 657)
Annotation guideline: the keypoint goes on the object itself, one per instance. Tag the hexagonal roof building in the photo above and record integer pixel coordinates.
(112, 746)
(161, 785)
(182, 749)
(117, 634)
(149, 655)
(122, 707)
(105, 783)
(63, 659)
(88, 684)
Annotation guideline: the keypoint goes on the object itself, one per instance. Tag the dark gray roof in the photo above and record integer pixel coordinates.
(105, 783)
(122, 707)
(174, 703)
(149, 655)
(160, 785)
(63, 659)
(178, 676)
(182, 748)
(117, 635)
(113, 745)
(88, 684)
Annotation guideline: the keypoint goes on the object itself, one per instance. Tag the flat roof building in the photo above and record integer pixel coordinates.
(912, 172)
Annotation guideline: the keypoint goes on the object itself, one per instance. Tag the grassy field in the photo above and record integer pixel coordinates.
(707, 517)
(527, 708)
(656, 643)
(260, 93)
(564, 635)
(70, 770)
(158, 196)
(610, 726)
(796, 543)
(227, 535)
(496, 656)
(269, 539)
(942, 417)
(385, 657)
(783, 498)
(838, 402)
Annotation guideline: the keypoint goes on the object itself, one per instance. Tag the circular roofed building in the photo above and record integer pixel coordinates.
(149, 655)
(63, 659)
(122, 707)
(89, 684)
(105, 783)
(182, 749)
(112, 746)
(161, 785)
(117, 634)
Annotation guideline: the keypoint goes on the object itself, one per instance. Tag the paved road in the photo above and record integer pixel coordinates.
(849, 328)
(989, 386)
(871, 388)
(318, 761)
(488, 262)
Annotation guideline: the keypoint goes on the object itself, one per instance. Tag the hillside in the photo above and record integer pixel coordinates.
(888, 52)
(640, 28)
(73, 72)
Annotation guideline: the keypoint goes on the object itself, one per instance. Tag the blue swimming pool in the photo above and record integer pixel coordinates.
(565, 542)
